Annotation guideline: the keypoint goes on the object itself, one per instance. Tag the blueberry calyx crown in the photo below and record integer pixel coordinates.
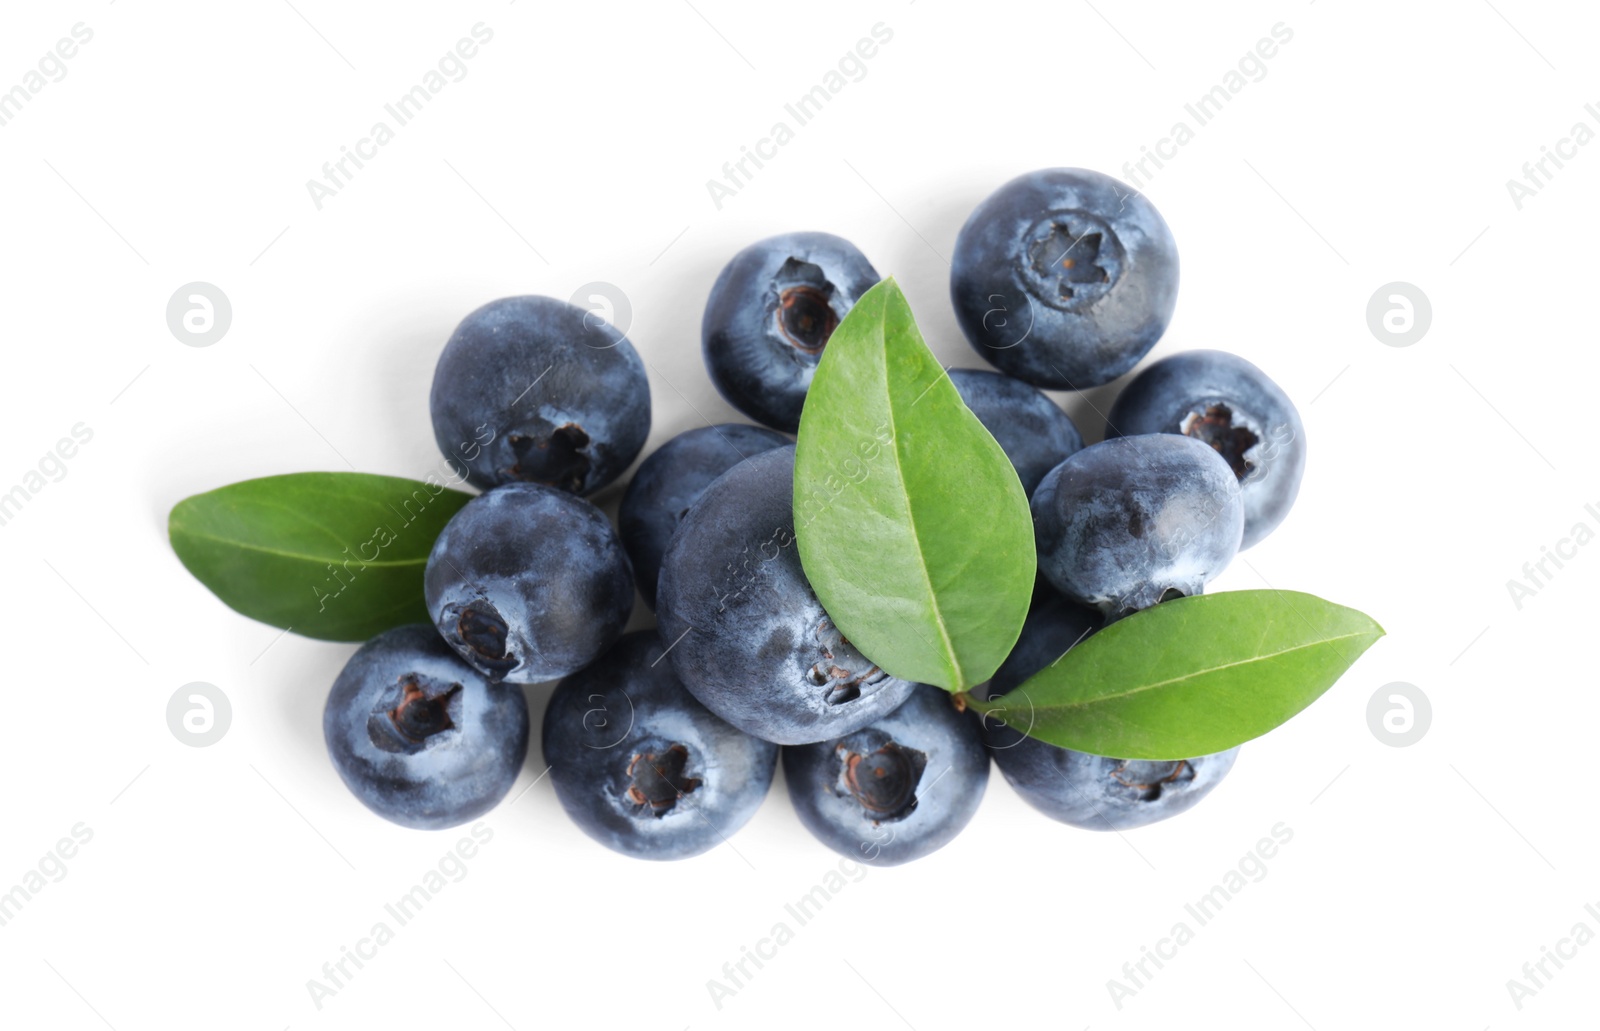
(836, 670)
(1147, 779)
(1072, 259)
(884, 780)
(805, 314)
(656, 780)
(482, 630)
(556, 459)
(414, 714)
(1228, 432)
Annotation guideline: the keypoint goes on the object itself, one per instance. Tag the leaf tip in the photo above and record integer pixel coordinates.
(882, 290)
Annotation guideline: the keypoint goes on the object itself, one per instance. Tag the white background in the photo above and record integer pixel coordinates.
(1377, 148)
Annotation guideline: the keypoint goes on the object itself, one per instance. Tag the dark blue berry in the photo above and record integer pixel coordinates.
(528, 583)
(536, 390)
(770, 315)
(1223, 400)
(1131, 521)
(748, 636)
(644, 768)
(1064, 278)
(418, 735)
(895, 790)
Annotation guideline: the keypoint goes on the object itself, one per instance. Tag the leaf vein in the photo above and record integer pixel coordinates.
(243, 545)
(911, 518)
(1140, 689)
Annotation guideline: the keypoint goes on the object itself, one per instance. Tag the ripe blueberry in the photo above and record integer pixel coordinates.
(748, 636)
(1127, 522)
(418, 735)
(897, 789)
(1064, 278)
(769, 316)
(537, 390)
(528, 583)
(641, 766)
(1230, 404)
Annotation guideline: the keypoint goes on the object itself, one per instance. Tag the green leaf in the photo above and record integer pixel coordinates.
(1190, 676)
(335, 556)
(912, 525)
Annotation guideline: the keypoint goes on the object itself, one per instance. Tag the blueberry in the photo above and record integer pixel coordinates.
(896, 790)
(1230, 404)
(1100, 793)
(537, 390)
(1032, 429)
(669, 481)
(528, 583)
(769, 316)
(641, 766)
(1130, 521)
(1064, 278)
(748, 636)
(1091, 791)
(418, 735)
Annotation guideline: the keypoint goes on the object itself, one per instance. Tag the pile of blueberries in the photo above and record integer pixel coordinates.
(663, 743)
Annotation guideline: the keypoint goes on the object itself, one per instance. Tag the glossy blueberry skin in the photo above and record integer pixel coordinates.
(1053, 325)
(752, 641)
(1123, 522)
(1084, 790)
(641, 766)
(1031, 429)
(536, 390)
(769, 316)
(1230, 404)
(445, 756)
(670, 480)
(528, 583)
(896, 790)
